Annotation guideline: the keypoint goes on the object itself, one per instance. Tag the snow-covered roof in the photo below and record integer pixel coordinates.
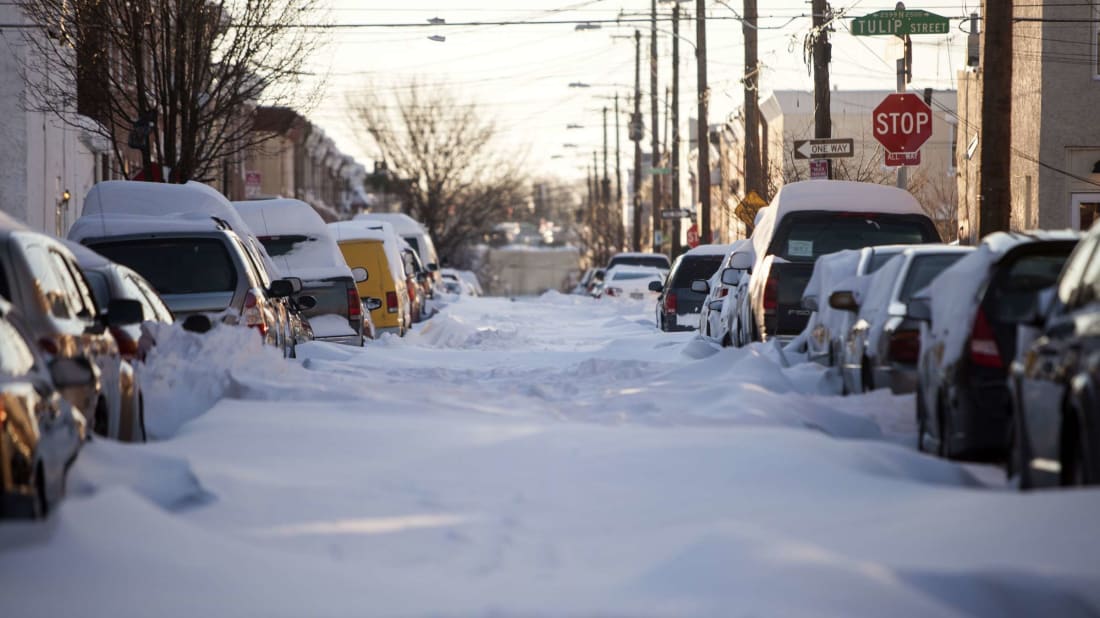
(838, 195)
(378, 231)
(402, 223)
(98, 226)
(722, 250)
(317, 258)
(636, 269)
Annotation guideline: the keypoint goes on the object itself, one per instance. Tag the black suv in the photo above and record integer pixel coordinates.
(678, 306)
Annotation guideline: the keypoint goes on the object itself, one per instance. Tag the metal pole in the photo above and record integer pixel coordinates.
(655, 152)
(637, 137)
(605, 183)
(675, 163)
(903, 172)
(703, 130)
(618, 211)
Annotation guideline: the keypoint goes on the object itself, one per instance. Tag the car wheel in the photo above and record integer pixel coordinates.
(868, 381)
(40, 506)
(1073, 461)
(100, 423)
(922, 419)
(944, 428)
(141, 418)
(727, 341)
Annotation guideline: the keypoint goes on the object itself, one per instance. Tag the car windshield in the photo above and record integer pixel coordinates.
(413, 243)
(1013, 297)
(924, 269)
(176, 265)
(656, 261)
(805, 236)
(634, 275)
(100, 289)
(282, 245)
(879, 259)
(696, 267)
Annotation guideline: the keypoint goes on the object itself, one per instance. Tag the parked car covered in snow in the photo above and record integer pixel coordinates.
(813, 218)
(300, 244)
(375, 247)
(655, 260)
(710, 325)
(968, 337)
(413, 232)
(40, 432)
(735, 316)
(41, 278)
(678, 304)
(194, 248)
(625, 281)
(880, 349)
(1055, 381)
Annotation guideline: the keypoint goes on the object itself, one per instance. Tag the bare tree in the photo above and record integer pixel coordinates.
(178, 80)
(460, 182)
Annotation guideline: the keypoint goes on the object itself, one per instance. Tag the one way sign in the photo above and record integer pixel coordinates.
(824, 148)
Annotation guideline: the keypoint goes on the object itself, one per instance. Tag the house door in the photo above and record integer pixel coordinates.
(1085, 210)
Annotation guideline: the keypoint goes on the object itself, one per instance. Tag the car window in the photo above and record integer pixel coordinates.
(1090, 283)
(657, 261)
(805, 236)
(629, 276)
(16, 358)
(4, 291)
(176, 265)
(1075, 269)
(52, 293)
(879, 259)
(282, 245)
(697, 267)
(413, 243)
(80, 298)
(160, 310)
(131, 291)
(100, 288)
(258, 268)
(923, 270)
(1014, 294)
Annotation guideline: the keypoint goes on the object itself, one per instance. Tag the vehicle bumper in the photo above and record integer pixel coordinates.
(982, 420)
(681, 321)
(382, 330)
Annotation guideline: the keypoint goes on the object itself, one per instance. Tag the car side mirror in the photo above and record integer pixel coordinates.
(432, 266)
(73, 372)
(197, 323)
(740, 261)
(843, 300)
(731, 276)
(715, 305)
(656, 286)
(124, 312)
(372, 303)
(700, 286)
(296, 283)
(359, 274)
(281, 288)
(810, 303)
(919, 309)
(598, 276)
(307, 302)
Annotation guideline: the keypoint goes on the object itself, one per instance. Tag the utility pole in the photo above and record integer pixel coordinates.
(822, 55)
(703, 130)
(753, 174)
(636, 136)
(605, 184)
(995, 192)
(620, 239)
(654, 157)
(675, 163)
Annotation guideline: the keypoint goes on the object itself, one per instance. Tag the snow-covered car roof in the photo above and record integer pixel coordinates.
(378, 231)
(635, 269)
(98, 226)
(402, 223)
(837, 195)
(317, 258)
(723, 250)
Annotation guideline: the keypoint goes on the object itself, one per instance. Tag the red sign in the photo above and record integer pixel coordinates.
(693, 236)
(902, 123)
(898, 159)
(819, 169)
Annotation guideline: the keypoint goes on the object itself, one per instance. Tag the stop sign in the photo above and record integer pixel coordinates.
(902, 123)
(693, 236)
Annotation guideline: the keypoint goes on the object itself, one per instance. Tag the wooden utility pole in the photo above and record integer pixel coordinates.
(675, 163)
(605, 183)
(753, 175)
(620, 238)
(655, 153)
(995, 189)
(703, 129)
(636, 136)
(822, 54)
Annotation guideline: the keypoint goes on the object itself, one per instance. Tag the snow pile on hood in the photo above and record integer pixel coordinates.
(318, 257)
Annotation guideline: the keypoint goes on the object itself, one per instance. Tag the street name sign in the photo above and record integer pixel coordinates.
(900, 23)
(682, 213)
(902, 122)
(824, 148)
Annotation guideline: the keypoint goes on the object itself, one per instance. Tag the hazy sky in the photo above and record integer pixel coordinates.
(519, 74)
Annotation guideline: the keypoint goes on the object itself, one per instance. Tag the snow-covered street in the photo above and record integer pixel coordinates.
(543, 456)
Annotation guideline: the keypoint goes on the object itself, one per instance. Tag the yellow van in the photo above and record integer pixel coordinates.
(373, 245)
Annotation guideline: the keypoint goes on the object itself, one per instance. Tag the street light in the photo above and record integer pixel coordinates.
(438, 38)
(574, 126)
(579, 85)
(587, 26)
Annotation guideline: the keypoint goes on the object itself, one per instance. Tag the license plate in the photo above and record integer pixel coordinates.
(637, 295)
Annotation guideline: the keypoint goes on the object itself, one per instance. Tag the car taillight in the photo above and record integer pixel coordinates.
(127, 346)
(611, 291)
(670, 302)
(771, 294)
(723, 292)
(905, 346)
(391, 302)
(48, 346)
(983, 346)
(252, 314)
(355, 306)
